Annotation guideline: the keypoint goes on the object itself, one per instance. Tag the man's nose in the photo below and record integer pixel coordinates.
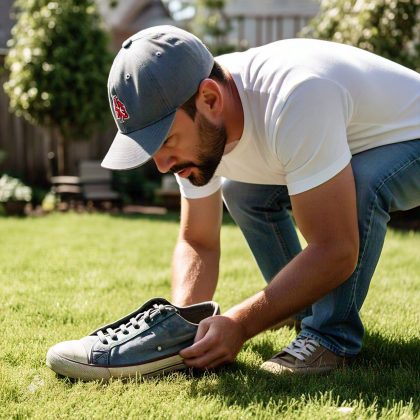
(163, 161)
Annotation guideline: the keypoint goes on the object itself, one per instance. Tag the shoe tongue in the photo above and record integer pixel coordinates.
(157, 308)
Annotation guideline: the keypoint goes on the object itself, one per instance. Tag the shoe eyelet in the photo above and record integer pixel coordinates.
(159, 348)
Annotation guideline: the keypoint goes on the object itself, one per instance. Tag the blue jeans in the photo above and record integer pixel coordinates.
(387, 179)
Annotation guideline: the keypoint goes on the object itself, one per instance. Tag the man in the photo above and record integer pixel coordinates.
(329, 129)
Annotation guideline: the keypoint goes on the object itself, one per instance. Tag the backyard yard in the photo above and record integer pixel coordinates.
(63, 275)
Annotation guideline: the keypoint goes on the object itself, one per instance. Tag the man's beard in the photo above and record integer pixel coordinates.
(209, 154)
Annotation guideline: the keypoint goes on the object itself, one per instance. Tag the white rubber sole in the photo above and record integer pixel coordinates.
(77, 370)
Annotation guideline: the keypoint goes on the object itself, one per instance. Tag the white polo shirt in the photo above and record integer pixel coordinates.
(310, 105)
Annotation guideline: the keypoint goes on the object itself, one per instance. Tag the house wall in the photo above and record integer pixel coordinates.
(255, 23)
(130, 16)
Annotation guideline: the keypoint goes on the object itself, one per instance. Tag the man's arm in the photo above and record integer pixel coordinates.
(195, 264)
(327, 218)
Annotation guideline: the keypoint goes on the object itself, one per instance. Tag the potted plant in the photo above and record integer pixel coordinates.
(14, 195)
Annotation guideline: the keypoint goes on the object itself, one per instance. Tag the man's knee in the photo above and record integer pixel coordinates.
(387, 177)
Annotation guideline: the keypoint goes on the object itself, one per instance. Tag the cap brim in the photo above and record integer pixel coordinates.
(131, 150)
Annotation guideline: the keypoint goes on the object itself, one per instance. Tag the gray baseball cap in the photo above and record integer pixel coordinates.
(156, 71)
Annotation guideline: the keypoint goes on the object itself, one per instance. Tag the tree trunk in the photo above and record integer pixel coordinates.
(49, 153)
(61, 152)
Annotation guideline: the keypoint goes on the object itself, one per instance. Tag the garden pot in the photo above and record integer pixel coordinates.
(15, 208)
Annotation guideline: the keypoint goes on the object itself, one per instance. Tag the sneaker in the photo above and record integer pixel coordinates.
(304, 355)
(145, 342)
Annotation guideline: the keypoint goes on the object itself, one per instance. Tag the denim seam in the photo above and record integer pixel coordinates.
(408, 164)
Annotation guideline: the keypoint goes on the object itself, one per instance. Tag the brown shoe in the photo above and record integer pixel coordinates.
(304, 355)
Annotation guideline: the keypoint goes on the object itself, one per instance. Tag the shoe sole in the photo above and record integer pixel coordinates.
(88, 372)
(277, 369)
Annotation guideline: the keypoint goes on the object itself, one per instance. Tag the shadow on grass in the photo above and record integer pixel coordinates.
(400, 221)
(406, 220)
(171, 216)
(168, 217)
(385, 372)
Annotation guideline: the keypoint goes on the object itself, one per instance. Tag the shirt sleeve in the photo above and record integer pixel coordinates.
(189, 190)
(310, 134)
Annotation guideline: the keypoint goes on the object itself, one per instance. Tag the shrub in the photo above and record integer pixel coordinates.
(212, 26)
(389, 28)
(12, 189)
(58, 62)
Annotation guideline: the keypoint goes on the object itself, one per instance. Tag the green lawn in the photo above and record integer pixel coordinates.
(63, 275)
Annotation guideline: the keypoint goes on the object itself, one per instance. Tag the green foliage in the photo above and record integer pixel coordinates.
(389, 28)
(139, 184)
(2, 155)
(212, 26)
(12, 189)
(58, 62)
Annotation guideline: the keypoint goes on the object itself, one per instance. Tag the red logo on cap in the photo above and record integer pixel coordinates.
(120, 110)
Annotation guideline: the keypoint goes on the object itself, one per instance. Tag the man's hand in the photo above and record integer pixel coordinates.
(218, 340)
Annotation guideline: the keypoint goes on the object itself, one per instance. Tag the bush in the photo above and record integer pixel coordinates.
(138, 185)
(12, 189)
(389, 28)
(59, 62)
(211, 25)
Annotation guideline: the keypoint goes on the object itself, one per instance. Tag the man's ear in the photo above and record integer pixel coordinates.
(209, 100)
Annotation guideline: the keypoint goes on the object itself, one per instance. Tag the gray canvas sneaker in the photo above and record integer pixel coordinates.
(304, 355)
(145, 342)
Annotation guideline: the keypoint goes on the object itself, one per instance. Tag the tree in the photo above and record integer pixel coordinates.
(212, 26)
(389, 28)
(58, 62)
